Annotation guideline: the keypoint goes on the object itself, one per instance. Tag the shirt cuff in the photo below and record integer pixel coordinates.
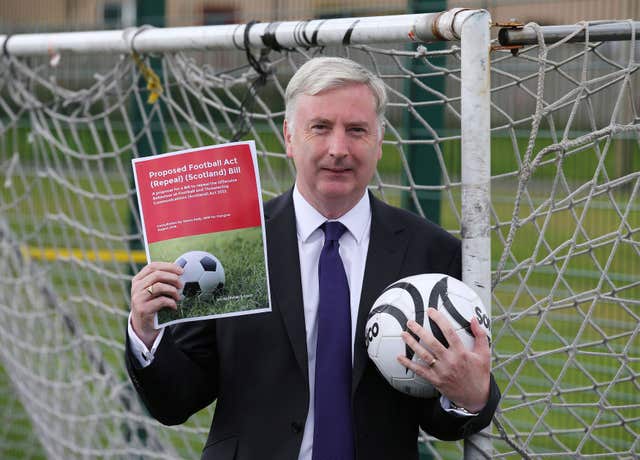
(447, 406)
(139, 349)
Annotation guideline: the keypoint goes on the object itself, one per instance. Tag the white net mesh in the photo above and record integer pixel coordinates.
(565, 289)
(565, 215)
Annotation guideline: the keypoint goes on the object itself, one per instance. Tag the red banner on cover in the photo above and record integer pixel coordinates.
(195, 192)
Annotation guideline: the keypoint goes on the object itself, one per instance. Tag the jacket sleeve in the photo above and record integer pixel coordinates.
(183, 376)
(450, 426)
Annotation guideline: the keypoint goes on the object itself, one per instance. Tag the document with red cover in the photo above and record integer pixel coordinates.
(202, 209)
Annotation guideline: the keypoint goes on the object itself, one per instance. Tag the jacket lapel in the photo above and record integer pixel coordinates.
(387, 246)
(284, 273)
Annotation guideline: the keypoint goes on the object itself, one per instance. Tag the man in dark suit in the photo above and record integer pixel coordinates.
(261, 369)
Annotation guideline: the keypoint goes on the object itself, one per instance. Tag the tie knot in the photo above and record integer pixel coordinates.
(333, 230)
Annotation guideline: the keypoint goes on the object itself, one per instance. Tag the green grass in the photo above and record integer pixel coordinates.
(18, 440)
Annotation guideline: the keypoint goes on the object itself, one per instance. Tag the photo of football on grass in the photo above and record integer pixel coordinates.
(226, 275)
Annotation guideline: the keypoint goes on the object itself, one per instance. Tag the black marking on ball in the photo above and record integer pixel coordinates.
(400, 316)
(182, 262)
(191, 289)
(209, 264)
(417, 301)
(418, 310)
(440, 290)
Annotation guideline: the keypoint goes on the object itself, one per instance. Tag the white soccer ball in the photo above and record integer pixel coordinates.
(407, 299)
(203, 274)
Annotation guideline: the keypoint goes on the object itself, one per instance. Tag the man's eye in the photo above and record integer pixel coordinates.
(317, 128)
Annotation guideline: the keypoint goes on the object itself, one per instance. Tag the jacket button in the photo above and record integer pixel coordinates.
(297, 427)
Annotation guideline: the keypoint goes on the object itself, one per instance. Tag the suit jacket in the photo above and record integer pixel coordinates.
(255, 366)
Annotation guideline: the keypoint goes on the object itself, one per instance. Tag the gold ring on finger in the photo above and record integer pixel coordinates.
(433, 362)
(150, 289)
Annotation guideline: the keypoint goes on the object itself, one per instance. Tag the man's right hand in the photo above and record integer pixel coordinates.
(154, 287)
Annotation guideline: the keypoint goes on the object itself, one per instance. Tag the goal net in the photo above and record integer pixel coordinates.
(564, 214)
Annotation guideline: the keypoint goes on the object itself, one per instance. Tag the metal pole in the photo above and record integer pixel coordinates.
(553, 34)
(476, 175)
(365, 30)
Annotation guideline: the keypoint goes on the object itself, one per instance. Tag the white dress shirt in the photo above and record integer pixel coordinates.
(354, 244)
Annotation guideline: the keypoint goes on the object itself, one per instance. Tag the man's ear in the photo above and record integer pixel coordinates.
(287, 138)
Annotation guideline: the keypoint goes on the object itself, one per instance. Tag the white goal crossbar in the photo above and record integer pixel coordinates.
(290, 34)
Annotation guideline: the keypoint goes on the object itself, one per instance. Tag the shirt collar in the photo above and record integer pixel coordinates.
(308, 219)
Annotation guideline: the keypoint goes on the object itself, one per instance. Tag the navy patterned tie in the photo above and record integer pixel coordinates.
(333, 420)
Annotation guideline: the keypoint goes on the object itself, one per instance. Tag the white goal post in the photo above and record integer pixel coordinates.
(532, 147)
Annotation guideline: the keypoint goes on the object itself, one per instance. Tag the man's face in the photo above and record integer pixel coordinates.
(335, 143)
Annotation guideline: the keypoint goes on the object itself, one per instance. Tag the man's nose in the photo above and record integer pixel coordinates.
(338, 144)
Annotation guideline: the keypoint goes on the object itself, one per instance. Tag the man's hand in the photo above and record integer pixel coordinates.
(459, 374)
(154, 287)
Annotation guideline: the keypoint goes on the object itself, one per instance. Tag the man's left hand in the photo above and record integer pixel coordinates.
(461, 375)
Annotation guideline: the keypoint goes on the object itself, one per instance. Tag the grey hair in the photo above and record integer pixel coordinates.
(323, 73)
